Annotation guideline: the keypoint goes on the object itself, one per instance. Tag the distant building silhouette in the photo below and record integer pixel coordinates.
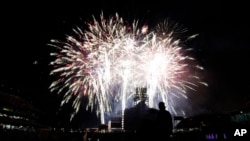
(141, 96)
(134, 115)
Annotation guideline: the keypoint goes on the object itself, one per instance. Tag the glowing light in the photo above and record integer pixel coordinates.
(111, 59)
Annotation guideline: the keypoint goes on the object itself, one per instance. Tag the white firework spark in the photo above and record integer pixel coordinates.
(111, 59)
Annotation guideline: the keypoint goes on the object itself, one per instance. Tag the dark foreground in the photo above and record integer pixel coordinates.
(210, 135)
(212, 127)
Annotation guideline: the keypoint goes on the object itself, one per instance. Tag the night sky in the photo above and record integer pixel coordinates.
(222, 46)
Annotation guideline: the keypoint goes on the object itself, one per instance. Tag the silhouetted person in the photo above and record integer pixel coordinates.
(164, 123)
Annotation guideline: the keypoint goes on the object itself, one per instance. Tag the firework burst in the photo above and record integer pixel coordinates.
(111, 59)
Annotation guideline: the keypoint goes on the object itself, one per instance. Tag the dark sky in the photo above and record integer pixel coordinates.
(222, 46)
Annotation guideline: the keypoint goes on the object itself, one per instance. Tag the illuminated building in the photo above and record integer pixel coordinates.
(17, 113)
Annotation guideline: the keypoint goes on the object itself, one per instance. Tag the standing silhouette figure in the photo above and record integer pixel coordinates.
(164, 123)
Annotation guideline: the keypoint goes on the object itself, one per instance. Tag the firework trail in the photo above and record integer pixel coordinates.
(111, 59)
